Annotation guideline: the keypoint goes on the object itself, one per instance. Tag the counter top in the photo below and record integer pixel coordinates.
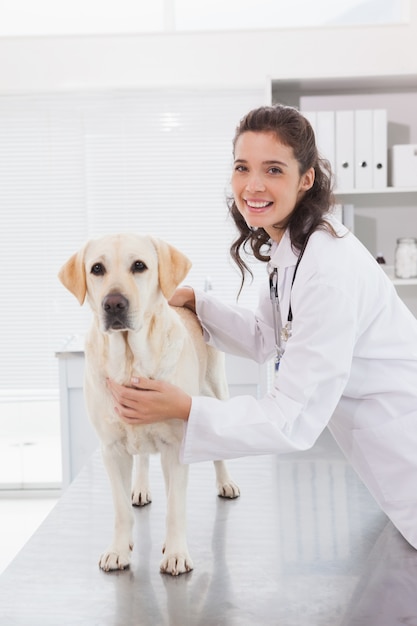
(304, 545)
(73, 345)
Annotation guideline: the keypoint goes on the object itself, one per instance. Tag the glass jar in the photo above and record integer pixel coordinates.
(406, 258)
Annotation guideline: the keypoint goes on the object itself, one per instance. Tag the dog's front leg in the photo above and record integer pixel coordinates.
(118, 464)
(226, 487)
(176, 557)
(141, 495)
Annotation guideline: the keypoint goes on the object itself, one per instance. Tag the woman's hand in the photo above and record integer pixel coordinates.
(148, 401)
(185, 297)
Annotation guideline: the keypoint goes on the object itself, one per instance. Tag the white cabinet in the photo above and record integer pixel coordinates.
(381, 215)
(78, 438)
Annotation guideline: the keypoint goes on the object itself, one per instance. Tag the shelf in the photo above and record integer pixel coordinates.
(375, 192)
(398, 282)
(346, 85)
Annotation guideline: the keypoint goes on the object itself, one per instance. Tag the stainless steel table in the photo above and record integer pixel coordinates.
(304, 545)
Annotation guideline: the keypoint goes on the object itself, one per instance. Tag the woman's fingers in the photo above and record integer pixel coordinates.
(130, 415)
(184, 297)
(147, 401)
(147, 384)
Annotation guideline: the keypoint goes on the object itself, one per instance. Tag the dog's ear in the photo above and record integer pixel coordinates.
(173, 267)
(72, 276)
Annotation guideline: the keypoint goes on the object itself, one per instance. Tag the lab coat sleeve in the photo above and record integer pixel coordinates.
(312, 375)
(241, 426)
(236, 330)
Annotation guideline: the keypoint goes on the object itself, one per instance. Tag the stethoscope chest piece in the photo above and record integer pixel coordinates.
(286, 332)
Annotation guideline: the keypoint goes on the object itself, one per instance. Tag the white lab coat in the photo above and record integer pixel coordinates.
(350, 364)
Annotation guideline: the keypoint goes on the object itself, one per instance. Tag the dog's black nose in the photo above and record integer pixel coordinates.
(115, 303)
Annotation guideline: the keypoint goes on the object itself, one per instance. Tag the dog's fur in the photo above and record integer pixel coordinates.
(128, 280)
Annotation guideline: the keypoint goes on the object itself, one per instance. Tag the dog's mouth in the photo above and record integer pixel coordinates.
(116, 325)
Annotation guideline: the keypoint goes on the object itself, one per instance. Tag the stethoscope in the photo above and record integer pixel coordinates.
(282, 333)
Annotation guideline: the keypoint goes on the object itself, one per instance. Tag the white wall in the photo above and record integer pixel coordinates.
(204, 59)
(224, 59)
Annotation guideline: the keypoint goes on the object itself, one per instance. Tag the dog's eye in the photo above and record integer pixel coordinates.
(137, 267)
(98, 269)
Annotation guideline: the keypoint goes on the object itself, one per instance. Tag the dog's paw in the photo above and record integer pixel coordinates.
(141, 497)
(176, 563)
(228, 489)
(110, 561)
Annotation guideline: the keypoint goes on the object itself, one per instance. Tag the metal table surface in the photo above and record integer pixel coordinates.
(304, 545)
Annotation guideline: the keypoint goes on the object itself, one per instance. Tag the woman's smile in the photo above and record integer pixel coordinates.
(257, 206)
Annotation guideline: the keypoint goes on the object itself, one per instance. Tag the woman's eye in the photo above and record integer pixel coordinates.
(98, 269)
(138, 266)
(241, 168)
(275, 170)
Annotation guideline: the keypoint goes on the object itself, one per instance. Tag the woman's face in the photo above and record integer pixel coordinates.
(266, 181)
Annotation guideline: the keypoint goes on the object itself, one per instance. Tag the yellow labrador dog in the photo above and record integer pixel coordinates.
(127, 280)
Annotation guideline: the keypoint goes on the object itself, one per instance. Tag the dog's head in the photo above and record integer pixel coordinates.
(123, 277)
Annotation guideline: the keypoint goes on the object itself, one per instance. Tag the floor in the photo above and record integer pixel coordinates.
(304, 545)
(30, 468)
(20, 516)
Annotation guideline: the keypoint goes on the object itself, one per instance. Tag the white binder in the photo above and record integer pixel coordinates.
(404, 165)
(325, 135)
(345, 171)
(363, 148)
(380, 149)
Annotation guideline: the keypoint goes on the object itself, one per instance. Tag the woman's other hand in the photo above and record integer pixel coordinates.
(184, 297)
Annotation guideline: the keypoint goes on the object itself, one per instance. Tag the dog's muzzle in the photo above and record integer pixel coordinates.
(116, 309)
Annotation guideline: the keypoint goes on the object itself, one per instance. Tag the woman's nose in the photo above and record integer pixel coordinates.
(255, 183)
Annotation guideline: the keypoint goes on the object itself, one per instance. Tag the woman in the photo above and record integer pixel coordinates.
(347, 351)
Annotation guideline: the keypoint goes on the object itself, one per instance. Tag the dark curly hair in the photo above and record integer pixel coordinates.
(293, 130)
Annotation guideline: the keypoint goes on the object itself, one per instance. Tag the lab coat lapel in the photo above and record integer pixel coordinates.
(284, 258)
(282, 254)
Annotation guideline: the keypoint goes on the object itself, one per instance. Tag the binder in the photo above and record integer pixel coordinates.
(345, 173)
(404, 165)
(380, 149)
(325, 135)
(363, 137)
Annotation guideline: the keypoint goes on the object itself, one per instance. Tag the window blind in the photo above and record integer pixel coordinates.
(77, 165)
